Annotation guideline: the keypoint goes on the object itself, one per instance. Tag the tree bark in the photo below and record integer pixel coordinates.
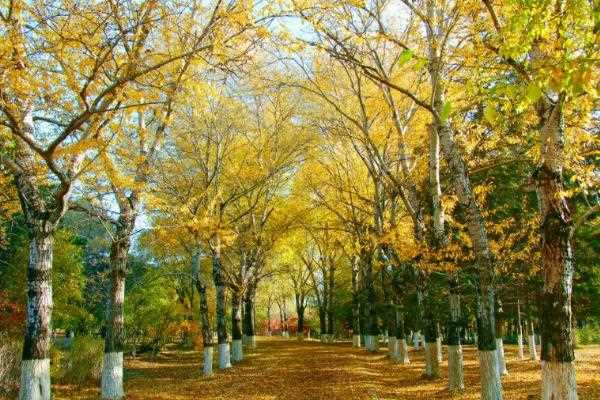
(356, 342)
(224, 356)
(401, 339)
(372, 338)
(207, 334)
(236, 326)
(428, 325)
(532, 347)
(519, 331)
(500, 328)
(486, 343)
(248, 324)
(331, 303)
(35, 363)
(558, 371)
(455, 356)
(112, 368)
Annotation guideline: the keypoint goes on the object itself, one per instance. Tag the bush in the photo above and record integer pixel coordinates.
(10, 366)
(589, 334)
(81, 364)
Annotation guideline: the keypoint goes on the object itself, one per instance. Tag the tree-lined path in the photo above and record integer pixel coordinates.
(292, 370)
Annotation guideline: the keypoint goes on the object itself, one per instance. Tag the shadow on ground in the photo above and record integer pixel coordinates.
(291, 370)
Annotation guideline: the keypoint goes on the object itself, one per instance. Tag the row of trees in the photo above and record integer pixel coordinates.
(452, 129)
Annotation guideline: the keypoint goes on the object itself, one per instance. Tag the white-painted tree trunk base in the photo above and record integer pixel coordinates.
(532, 349)
(432, 367)
(327, 338)
(224, 356)
(251, 341)
(456, 379)
(558, 381)
(371, 343)
(500, 355)
(403, 350)
(237, 352)
(355, 340)
(208, 361)
(112, 376)
(416, 339)
(35, 380)
(491, 386)
(392, 347)
(439, 349)
(520, 346)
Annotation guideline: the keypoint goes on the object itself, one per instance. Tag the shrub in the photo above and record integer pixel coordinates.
(81, 364)
(10, 366)
(589, 334)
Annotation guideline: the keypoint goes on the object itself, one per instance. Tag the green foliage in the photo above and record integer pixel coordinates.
(151, 315)
(79, 365)
(589, 334)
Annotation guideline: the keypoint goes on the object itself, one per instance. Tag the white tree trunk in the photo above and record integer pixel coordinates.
(251, 340)
(416, 339)
(35, 380)
(432, 367)
(491, 389)
(371, 343)
(112, 376)
(520, 346)
(35, 363)
(439, 349)
(355, 340)
(455, 368)
(224, 357)
(403, 352)
(558, 381)
(392, 347)
(237, 352)
(208, 361)
(532, 349)
(500, 355)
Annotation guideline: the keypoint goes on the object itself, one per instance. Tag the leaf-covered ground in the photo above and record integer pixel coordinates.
(290, 370)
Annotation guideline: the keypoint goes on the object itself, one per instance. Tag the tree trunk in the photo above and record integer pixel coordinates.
(236, 327)
(532, 348)
(224, 356)
(331, 304)
(269, 320)
(300, 312)
(35, 363)
(401, 339)
(323, 323)
(249, 317)
(355, 305)
(207, 334)
(558, 371)
(486, 343)
(372, 338)
(500, 328)
(112, 368)
(432, 368)
(393, 349)
(519, 331)
(455, 356)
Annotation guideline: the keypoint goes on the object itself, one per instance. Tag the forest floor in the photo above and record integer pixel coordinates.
(291, 370)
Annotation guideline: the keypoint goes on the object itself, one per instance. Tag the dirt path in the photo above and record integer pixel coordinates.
(291, 370)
